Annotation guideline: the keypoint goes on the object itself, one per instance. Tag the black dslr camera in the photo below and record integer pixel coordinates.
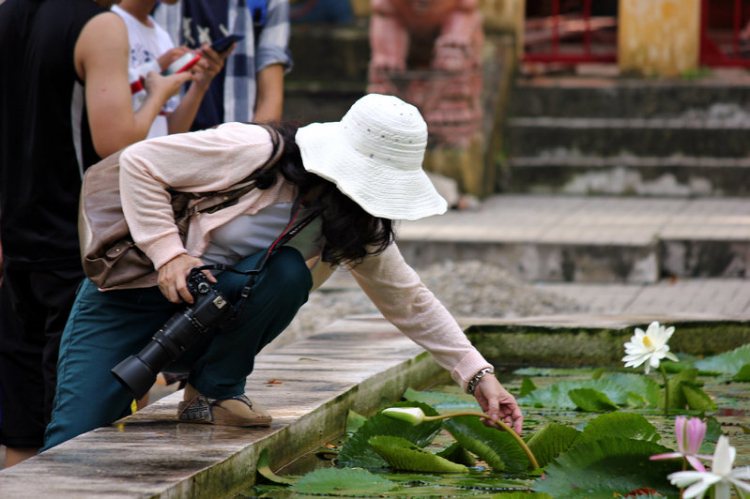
(210, 309)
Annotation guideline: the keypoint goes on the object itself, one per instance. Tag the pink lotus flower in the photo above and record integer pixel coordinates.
(722, 478)
(689, 439)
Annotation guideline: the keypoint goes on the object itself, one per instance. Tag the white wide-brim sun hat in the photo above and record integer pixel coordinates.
(374, 156)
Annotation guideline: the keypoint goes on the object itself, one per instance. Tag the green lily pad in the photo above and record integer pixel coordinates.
(605, 467)
(484, 482)
(554, 371)
(616, 387)
(743, 374)
(590, 400)
(728, 363)
(354, 421)
(495, 447)
(636, 386)
(621, 424)
(550, 441)
(677, 398)
(400, 454)
(443, 402)
(458, 454)
(357, 453)
(527, 386)
(264, 469)
(431, 398)
(521, 495)
(696, 398)
(346, 482)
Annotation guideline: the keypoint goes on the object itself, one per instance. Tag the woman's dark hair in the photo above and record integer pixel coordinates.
(350, 232)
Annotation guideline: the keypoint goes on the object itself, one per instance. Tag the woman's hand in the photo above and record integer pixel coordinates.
(173, 278)
(497, 403)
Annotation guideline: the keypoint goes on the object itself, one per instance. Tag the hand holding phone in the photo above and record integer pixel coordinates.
(222, 44)
(187, 61)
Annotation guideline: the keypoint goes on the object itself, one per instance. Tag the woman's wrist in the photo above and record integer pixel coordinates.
(474, 381)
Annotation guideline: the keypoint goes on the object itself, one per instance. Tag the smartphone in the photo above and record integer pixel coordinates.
(187, 61)
(223, 44)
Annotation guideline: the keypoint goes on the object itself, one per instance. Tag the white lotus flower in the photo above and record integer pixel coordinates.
(722, 477)
(649, 347)
(413, 415)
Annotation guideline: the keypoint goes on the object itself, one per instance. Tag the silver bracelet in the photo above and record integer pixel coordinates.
(477, 378)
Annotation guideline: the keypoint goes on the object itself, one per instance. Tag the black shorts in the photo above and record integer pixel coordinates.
(34, 306)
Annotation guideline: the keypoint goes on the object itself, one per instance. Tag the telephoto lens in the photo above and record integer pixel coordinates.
(210, 309)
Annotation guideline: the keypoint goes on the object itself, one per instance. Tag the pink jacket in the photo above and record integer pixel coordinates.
(216, 159)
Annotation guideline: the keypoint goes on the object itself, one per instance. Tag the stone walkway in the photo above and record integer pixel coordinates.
(622, 255)
(721, 298)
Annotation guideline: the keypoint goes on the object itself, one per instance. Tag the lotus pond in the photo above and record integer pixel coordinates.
(592, 431)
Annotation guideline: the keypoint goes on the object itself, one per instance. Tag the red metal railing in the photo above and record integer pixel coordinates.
(721, 40)
(566, 37)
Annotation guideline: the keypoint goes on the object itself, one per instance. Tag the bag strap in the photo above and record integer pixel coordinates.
(231, 197)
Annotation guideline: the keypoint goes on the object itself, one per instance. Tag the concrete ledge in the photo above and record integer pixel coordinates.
(307, 386)
(578, 340)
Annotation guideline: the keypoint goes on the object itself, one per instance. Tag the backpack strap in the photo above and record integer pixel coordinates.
(229, 197)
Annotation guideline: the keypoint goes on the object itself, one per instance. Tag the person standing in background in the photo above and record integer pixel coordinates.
(251, 87)
(151, 49)
(66, 102)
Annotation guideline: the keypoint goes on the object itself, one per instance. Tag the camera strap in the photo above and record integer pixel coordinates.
(290, 231)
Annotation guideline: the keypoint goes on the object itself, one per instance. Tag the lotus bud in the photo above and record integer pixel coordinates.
(413, 415)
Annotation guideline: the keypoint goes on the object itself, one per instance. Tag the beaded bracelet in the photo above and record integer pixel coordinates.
(477, 377)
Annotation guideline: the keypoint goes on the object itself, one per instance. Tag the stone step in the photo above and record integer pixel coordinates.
(541, 137)
(629, 98)
(674, 175)
(590, 239)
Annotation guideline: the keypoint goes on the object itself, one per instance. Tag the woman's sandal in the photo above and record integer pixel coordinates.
(202, 409)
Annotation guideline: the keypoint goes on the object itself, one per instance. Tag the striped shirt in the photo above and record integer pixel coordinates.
(232, 94)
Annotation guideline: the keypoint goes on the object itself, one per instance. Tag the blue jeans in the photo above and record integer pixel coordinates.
(106, 327)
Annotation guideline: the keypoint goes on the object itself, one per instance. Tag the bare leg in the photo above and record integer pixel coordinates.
(14, 455)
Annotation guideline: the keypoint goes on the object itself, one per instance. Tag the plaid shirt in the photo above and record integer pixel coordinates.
(194, 22)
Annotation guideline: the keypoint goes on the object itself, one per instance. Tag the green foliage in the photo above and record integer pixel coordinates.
(400, 454)
(527, 386)
(556, 371)
(521, 495)
(496, 447)
(590, 400)
(727, 363)
(696, 398)
(354, 421)
(264, 469)
(357, 452)
(550, 441)
(443, 402)
(605, 467)
(743, 374)
(620, 424)
(458, 454)
(347, 482)
(684, 392)
(636, 386)
(620, 389)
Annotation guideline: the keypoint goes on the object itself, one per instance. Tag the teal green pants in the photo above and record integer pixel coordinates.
(106, 327)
